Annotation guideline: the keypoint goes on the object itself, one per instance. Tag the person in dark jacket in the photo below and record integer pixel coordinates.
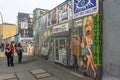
(19, 52)
(8, 55)
(15, 46)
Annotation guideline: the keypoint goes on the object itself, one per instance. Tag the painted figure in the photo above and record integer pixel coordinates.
(75, 49)
(88, 43)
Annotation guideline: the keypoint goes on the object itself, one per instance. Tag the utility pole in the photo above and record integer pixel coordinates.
(1, 36)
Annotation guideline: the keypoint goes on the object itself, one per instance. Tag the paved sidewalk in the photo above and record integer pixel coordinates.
(34, 68)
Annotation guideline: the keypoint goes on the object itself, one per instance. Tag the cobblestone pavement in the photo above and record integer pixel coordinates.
(34, 68)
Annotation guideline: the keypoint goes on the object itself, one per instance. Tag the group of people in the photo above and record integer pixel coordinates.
(10, 49)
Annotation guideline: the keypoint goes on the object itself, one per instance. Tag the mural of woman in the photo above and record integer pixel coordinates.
(88, 43)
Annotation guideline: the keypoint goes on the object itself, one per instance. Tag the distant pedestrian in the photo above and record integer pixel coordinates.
(28, 49)
(19, 52)
(15, 46)
(2, 47)
(8, 55)
(11, 47)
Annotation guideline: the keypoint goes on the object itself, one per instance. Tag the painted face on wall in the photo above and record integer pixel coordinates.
(74, 40)
(88, 28)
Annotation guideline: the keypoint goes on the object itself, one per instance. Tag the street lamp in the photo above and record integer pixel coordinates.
(1, 26)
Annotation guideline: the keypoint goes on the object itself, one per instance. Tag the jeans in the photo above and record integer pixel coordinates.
(10, 60)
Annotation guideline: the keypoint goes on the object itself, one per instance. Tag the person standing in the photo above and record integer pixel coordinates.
(11, 47)
(2, 47)
(15, 46)
(19, 52)
(8, 54)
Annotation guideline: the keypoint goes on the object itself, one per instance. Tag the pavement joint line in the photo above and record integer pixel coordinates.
(46, 76)
(40, 71)
(10, 78)
(77, 74)
(16, 76)
(32, 75)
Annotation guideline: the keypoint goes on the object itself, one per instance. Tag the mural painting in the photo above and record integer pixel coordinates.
(86, 46)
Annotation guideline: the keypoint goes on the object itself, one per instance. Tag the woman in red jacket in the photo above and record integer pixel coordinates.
(11, 47)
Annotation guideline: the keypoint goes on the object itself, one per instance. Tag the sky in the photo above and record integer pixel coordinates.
(10, 8)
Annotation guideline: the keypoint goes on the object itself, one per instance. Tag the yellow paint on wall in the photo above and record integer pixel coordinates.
(8, 30)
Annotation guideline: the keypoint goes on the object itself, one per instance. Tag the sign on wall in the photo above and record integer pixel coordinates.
(24, 23)
(65, 11)
(60, 28)
(85, 7)
(78, 23)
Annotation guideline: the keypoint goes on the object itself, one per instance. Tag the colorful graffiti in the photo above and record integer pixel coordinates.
(98, 39)
(53, 17)
(76, 43)
(86, 45)
(63, 12)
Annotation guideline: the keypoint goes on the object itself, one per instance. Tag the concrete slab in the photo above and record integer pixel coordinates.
(39, 71)
(25, 76)
(8, 76)
(50, 78)
(44, 75)
(12, 79)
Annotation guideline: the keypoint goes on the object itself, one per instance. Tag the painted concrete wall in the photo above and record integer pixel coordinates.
(8, 30)
(111, 39)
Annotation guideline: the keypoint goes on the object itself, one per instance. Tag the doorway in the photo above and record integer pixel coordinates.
(60, 51)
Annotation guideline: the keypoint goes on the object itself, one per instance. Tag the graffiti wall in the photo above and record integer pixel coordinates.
(48, 19)
(83, 38)
(63, 12)
(86, 45)
(43, 22)
(70, 12)
(53, 16)
(45, 47)
(37, 14)
(86, 38)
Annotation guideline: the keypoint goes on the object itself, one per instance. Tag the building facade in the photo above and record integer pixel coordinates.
(25, 27)
(8, 30)
(71, 34)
